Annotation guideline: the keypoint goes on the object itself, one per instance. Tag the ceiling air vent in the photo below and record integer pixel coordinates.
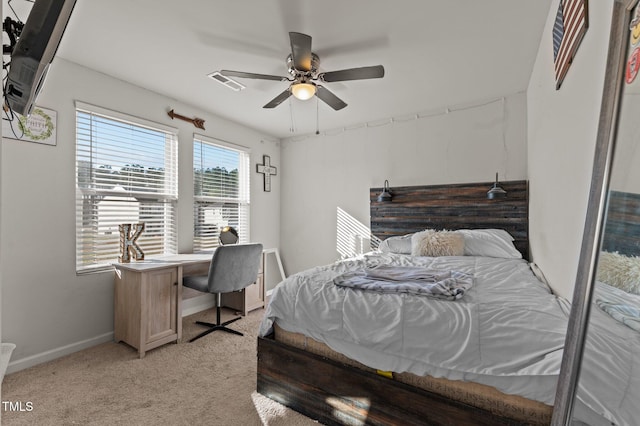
(231, 84)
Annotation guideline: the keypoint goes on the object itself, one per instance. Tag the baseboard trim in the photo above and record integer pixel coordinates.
(196, 304)
(189, 307)
(52, 354)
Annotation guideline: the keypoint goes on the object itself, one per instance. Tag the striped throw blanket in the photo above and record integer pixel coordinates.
(439, 284)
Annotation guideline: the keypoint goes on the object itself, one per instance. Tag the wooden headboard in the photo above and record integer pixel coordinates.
(622, 229)
(453, 206)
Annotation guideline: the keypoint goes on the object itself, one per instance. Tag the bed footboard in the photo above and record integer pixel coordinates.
(337, 394)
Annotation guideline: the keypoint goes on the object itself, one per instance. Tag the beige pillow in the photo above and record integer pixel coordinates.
(620, 271)
(434, 243)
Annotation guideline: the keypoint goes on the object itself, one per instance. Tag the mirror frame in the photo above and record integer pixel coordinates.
(596, 212)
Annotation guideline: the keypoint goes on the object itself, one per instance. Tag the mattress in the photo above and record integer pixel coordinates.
(507, 331)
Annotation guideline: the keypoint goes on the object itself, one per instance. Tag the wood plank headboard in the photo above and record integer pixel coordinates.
(622, 229)
(453, 206)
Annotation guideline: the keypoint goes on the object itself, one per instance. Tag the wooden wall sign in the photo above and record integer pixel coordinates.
(39, 126)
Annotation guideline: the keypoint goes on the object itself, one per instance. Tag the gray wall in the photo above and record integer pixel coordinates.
(561, 144)
(326, 178)
(47, 310)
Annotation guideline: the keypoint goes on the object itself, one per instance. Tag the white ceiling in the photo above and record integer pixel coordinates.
(436, 53)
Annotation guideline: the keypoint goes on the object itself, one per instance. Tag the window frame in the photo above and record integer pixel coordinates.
(162, 205)
(243, 199)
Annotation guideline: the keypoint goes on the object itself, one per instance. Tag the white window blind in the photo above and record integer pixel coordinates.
(221, 191)
(126, 172)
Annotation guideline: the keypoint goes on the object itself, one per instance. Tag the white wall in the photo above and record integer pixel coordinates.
(562, 127)
(47, 310)
(326, 178)
(625, 175)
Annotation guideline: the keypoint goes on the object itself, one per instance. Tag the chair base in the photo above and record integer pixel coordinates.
(214, 327)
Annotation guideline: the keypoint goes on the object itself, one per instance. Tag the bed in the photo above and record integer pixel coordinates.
(485, 350)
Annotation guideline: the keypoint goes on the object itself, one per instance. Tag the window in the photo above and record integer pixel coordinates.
(126, 172)
(221, 191)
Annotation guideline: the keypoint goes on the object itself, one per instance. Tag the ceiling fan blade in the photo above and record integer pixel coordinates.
(362, 73)
(301, 51)
(278, 99)
(241, 74)
(329, 98)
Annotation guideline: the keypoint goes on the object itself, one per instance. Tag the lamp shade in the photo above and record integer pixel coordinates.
(385, 196)
(496, 191)
(303, 91)
(228, 235)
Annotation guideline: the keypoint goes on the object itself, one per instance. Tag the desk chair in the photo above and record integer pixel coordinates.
(233, 268)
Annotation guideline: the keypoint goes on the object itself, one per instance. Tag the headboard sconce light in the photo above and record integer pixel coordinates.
(496, 191)
(385, 196)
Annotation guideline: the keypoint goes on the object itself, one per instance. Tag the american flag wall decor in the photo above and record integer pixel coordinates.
(568, 30)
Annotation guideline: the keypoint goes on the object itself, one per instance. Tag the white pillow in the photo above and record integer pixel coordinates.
(400, 244)
(489, 243)
(437, 243)
(620, 271)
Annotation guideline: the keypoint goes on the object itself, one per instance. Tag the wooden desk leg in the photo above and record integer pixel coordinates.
(179, 306)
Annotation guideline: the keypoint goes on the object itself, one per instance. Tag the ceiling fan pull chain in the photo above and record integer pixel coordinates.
(292, 128)
(317, 116)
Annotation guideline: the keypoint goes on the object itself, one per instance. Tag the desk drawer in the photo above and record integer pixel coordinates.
(195, 269)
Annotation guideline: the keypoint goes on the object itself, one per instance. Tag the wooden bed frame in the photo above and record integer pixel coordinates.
(338, 394)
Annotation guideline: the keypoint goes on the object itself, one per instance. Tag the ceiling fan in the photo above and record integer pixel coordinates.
(305, 78)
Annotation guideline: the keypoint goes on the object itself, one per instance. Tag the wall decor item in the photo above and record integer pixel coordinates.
(633, 62)
(198, 122)
(129, 248)
(268, 170)
(572, 21)
(39, 126)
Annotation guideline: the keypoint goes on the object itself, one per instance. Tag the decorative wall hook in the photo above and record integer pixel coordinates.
(198, 122)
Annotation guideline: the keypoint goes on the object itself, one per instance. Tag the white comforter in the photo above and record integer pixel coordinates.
(507, 331)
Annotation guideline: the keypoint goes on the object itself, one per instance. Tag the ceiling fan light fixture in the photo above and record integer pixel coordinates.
(303, 91)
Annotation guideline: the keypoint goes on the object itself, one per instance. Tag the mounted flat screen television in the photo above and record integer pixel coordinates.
(34, 51)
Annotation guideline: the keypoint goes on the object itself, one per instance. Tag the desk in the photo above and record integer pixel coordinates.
(148, 298)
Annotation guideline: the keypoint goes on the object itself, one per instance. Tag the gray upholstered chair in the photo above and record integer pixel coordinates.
(233, 268)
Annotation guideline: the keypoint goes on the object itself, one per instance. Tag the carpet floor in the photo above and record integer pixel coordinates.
(211, 381)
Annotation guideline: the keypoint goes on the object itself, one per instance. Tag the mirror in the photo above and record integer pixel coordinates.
(600, 374)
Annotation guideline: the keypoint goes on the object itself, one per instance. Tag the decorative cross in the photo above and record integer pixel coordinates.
(267, 169)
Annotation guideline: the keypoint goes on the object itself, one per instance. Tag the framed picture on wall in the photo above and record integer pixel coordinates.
(572, 21)
(39, 126)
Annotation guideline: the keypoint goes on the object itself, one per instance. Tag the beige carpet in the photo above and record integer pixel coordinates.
(209, 382)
